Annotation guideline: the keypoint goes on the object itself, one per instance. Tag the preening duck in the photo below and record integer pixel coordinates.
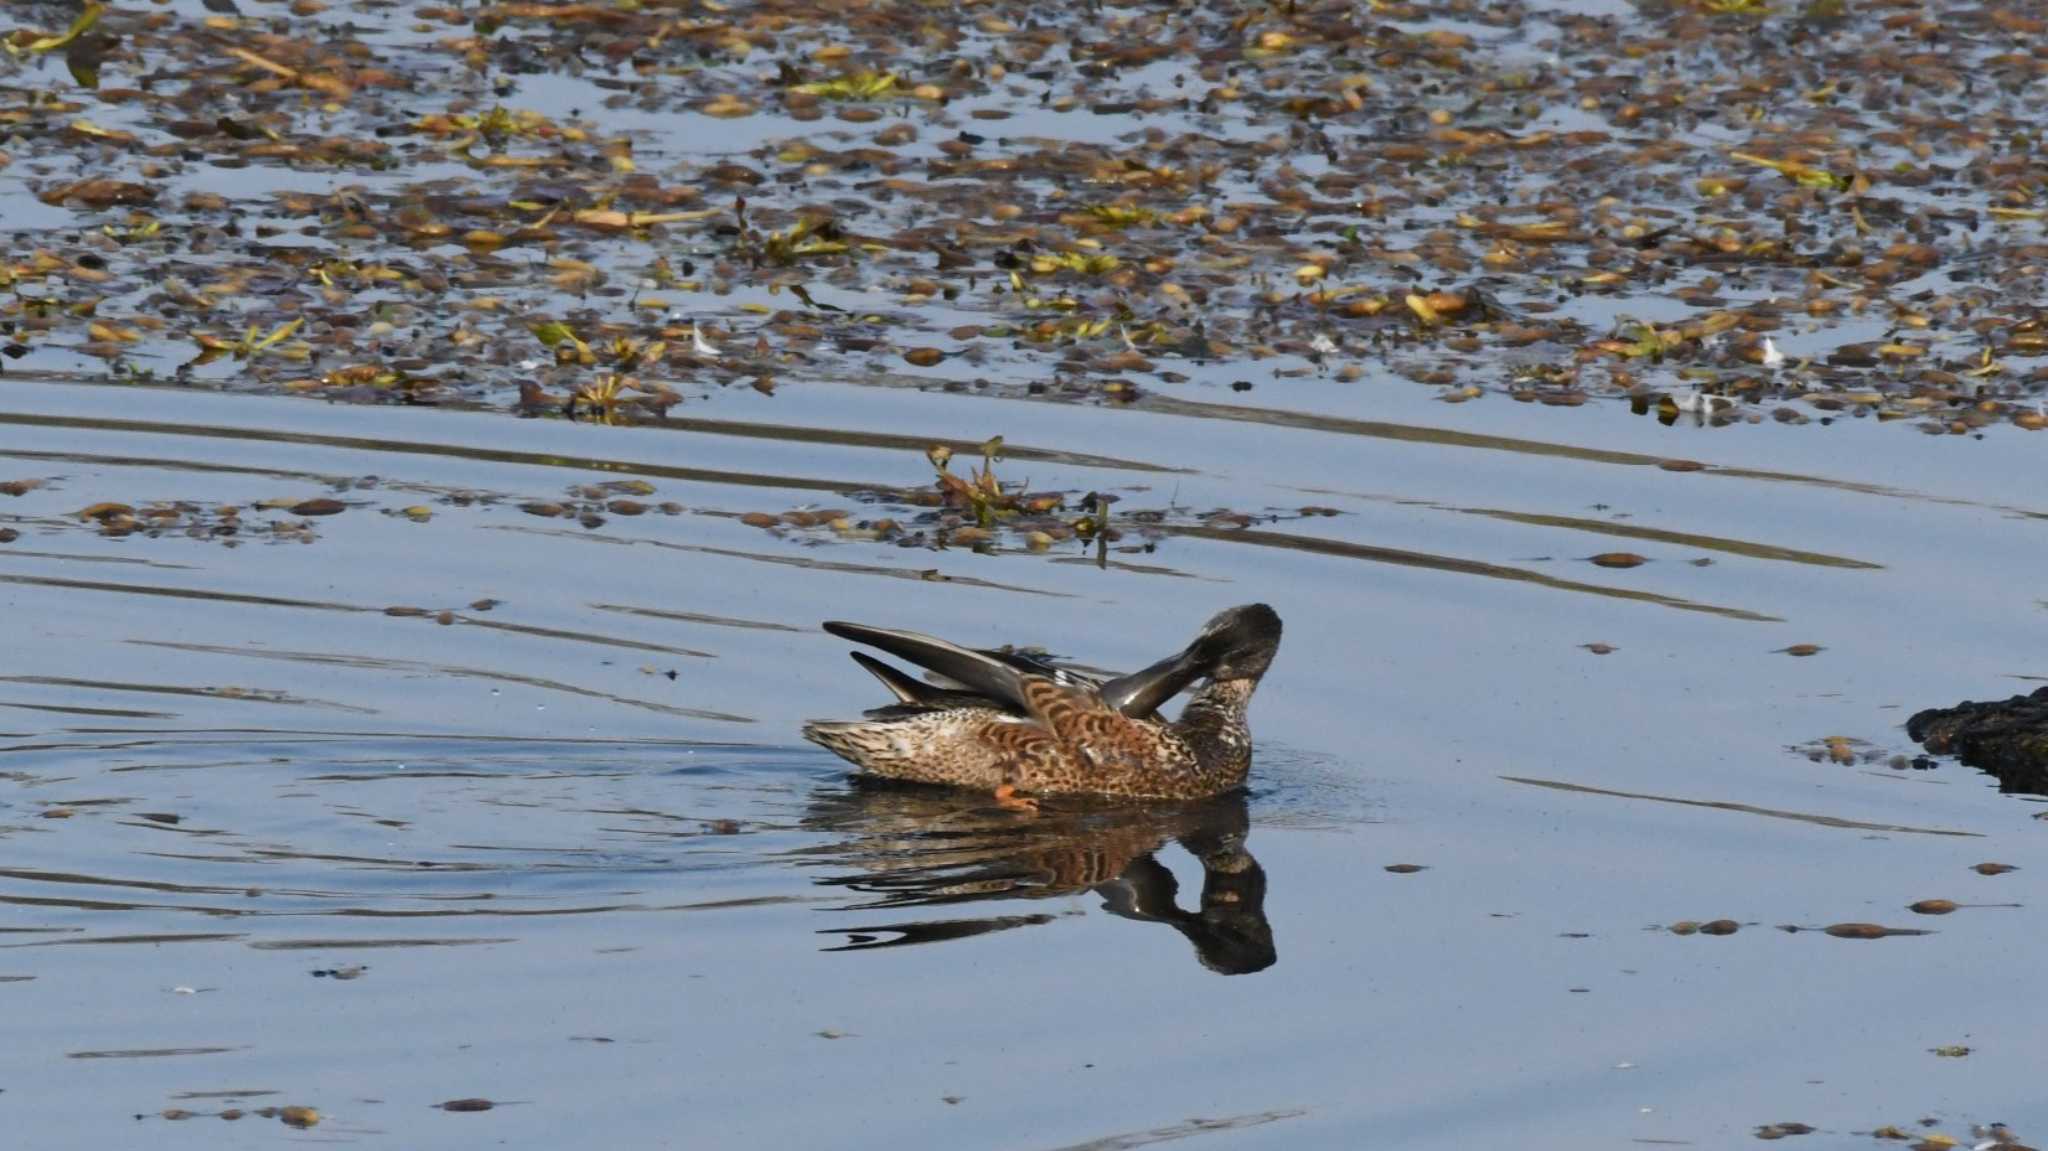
(1020, 726)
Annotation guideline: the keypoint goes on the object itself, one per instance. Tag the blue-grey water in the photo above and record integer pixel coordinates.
(481, 780)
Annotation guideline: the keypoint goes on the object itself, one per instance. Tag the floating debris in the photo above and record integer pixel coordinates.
(1857, 930)
(1617, 560)
(1710, 927)
(466, 1105)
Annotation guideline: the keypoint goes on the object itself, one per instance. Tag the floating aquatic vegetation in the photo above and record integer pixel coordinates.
(982, 511)
(1710, 927)
(1769, 226)
(1856, 930)
(276, 520)
(466, 1105)
(1850, 751)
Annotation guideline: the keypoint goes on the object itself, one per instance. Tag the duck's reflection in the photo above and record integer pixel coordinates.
(927, 847)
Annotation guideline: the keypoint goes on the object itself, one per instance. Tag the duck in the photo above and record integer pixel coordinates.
(1021, 726)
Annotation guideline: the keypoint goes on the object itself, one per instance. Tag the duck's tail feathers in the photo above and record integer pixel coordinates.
(978, 673)
(856, 741)
(900, 685)
(882, 749)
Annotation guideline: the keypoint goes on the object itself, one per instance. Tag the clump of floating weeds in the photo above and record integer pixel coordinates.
(980, 510)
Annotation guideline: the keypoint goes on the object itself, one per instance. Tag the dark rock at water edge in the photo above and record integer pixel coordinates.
(2008, 738)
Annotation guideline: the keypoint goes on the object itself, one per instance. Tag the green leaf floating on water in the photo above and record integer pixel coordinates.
(79, 27)
(859, 86)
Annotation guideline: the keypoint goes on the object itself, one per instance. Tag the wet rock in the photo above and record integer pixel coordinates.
(2008, 738)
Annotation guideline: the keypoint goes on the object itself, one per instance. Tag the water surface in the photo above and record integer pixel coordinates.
(365, 746)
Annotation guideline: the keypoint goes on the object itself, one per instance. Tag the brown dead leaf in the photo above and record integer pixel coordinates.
(1618, 560)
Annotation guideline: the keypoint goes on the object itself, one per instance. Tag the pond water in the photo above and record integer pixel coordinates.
(371, 756)
(585, 866)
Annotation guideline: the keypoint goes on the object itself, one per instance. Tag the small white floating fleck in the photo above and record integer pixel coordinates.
(1702, 402)
(1772, 356)
(184, 991)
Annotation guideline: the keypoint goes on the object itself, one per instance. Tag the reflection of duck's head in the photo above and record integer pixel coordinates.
(1230, 931)
(906, 847)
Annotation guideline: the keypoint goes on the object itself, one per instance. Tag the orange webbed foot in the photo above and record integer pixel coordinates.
(1008, 799)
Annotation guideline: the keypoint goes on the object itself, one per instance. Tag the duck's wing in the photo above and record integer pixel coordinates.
(1000, 677)
(1033, 664)
(999, 683)
(1146, 690)
(913, 694)
(1138, 694)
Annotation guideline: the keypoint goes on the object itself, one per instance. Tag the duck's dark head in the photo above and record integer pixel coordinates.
(1239, 643)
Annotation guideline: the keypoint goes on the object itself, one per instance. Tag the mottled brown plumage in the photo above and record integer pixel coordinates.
(1011, 723)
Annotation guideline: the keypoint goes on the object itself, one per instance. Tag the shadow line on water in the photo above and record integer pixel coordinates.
(1449, 437)
(227, 737)
(366, 944)
(695, 617)
(1727, 544)
(97, 712)
(1158, 404)
(149, 1052)
(1177, 1131)
(1314, 545)
(919, 575)
(1667, 536)
(415, 448)
(252, 600)
(383, 663)
(889, 441)
(1743, 809)
(172, 465)
(229, 695)
(152, 939)
(75, 557)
